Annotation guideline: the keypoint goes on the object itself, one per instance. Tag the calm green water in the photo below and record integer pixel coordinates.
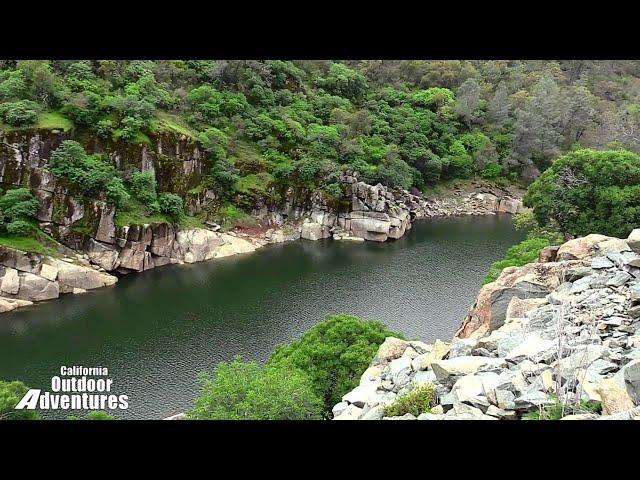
(155, 331)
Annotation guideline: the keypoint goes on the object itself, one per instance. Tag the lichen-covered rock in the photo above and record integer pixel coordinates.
(72, 276)
(37, 289)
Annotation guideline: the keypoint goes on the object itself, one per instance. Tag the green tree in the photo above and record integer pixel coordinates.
(90, 174)
(344, 82)
(143, 186)
(10, 394)
(241, 390)
(18, 208)
(334, 354)
(171, 204)
(19, 114)
(588, 191)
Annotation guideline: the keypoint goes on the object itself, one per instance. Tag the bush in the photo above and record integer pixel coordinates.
(334, 354)
(519, 254)
(143, 186)
(245, 391)
(116, 193)
(18, 208)
(90, 174)
(170, 204)
(93, 415)
(20, 228)
(10, 394)
(588, 191)
(491, 170)
(19, 114)
(418, 400)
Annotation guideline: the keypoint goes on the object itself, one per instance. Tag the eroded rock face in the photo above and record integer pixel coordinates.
(570, 333)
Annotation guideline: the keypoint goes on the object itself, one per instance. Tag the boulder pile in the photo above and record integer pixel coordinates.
(554, 340)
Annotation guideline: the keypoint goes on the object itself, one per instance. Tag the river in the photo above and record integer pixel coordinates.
(156, 330)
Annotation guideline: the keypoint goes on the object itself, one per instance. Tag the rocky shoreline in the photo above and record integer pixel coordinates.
(559, 338)
(94, 260)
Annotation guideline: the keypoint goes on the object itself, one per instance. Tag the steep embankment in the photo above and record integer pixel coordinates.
(94, 247)
(547, 339)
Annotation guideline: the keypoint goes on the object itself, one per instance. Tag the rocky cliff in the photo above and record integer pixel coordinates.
(90, 241)
(560, 338)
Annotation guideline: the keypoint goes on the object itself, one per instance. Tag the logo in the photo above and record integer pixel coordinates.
(76, 389)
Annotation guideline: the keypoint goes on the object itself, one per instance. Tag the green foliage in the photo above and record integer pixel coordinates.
(90, 174)
(344, 82)
(143, 186)
(241, 390)
(587, 191)
(557, 410)
(517, 255)
(10, 394)
(433, 97)
(93, 415)
(171, 204)
(19, 114)
(18, 208)
(420, 399)
(491, 170)
(333, 354)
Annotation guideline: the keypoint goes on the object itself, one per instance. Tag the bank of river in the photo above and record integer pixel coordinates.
(156, 330)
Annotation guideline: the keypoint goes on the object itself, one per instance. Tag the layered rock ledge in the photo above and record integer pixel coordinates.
(561, 333)
(26, 278)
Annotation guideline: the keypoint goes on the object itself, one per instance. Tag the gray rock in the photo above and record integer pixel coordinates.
(339, 408)
(532, 399)
(468, 388)
(359, 395)
(583, 284)
(461, 347)
(375, 413)
(618, 279)
(10, 281)
(582, 358)
(445, 369)
(400, 367)
(632, 380)
(601, 263)
(350, 413)
(423, 377)
(37, 289)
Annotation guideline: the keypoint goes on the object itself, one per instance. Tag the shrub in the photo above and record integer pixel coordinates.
(246, 391)
(10, 394)
(18, 208)
(588, 191)
(90, 174)
(93, 415)
(490, 170)
(116, 193)
(143, 186)
(418, 400)
(519, 254)
(19, 114)
(170, 204)
(334, 354)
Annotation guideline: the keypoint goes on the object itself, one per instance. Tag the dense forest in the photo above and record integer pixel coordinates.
(298, 123)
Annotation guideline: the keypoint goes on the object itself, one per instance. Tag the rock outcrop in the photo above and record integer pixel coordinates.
(29, 277)
(378, 213)
(553, 339)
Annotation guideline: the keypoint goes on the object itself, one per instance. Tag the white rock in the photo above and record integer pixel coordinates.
(350, 413)
(463, 366)
(49, 272)
(359, 395)
(10, 281)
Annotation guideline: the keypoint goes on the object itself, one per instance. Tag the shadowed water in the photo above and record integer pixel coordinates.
(155, 331)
